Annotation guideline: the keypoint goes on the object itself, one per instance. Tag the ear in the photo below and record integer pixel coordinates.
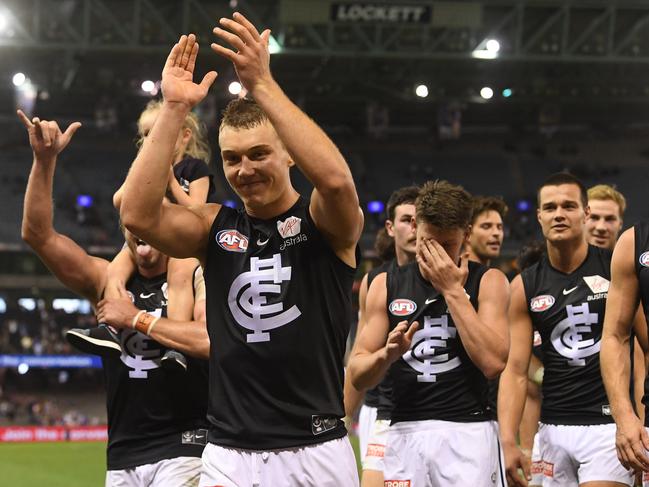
(187, 135)
(389, 228)
(538, 215)
(586, 212)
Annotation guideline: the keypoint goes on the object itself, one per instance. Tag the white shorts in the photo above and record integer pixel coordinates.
(366, 418)
(573, 455)
(328, 464)
(441, 454)
(537, 463)
(373, 457)
(179, 471)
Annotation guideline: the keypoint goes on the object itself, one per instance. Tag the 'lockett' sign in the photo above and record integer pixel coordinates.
(380, 12)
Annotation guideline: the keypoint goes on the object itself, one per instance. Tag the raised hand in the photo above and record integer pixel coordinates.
(399, 340)
(251, 59)
(45, 137)
(178, 74)
(438, 268)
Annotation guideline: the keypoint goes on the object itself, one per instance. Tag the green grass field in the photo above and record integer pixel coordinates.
(60, 464)
(53, 464)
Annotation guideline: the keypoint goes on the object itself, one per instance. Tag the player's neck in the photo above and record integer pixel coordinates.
(403, 257)
(473, 257)
(567, 256)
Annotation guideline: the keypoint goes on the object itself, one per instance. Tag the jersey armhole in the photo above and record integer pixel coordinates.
(323, 241)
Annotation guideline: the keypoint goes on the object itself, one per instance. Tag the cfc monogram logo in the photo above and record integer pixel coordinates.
(567, 336)
(248, 301)
(424, 354)
(139, 352)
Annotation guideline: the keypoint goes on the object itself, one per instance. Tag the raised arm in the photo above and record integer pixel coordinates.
(631, 439)
(334, 203)
(483, 332)
(175, 230)
(71, 264)
(513, 383)
(377, 348)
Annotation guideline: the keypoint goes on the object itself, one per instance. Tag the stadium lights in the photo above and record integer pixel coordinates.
(230, 203)
(235, 88)
(273, 45)
(23, 368)
(523, 205)
(487, 49)
(486, 93)
(84, 201)
(4, 21)
(493, 45)
(421, 91)
(375, 206)
(19, 79)
(507, 92)
(148, 86)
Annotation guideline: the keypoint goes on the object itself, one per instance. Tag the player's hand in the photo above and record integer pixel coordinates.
(632, 443)
(515, 460)
(178, 74)
(45, 137)
(250, 56)
(116, 312)
(399, 340)
(438, 268)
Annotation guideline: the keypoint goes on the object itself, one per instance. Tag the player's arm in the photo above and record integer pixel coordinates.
(71, 264)
(180, 281)
(352, 396)
(119, 271)
(334, 202)
(621, 305)
(175, 230)
(377, 347)
(484, 333)
(198, 190)
(513, 382)
(641, 351)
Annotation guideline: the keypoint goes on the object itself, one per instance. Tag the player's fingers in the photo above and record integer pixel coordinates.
(232, 39)
(45, 132)
(191, 64)
(173, 55)
(208, 80)
(69, 132)
(240, 31)
(187, 51)
(23, 118)
(252, 30)
(639, 457)
(412, 330)
(38, 130)
(644, 437)
(265, 37)
(223, 51)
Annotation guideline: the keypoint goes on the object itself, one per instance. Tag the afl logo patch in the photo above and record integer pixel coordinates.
(232, 241)
(541, 303)
(644, 259)
(402, 307)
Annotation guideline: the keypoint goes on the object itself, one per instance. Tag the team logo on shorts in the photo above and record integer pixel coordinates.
(232, 240)
(248, 298)
(402, 307)
(644, 259)
(541, 303)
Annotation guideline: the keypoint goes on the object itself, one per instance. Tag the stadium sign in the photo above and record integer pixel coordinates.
(37, 434)
(380, 12)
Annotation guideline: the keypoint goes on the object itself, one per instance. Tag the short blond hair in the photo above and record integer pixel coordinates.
(606, 192)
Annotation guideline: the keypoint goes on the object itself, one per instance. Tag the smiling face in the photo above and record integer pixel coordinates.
(561, 213)
(486, 236)
(256, 164)
(603, 224)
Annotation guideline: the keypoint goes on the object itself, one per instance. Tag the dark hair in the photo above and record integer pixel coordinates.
(444, 205)
(242, 113)
(402, 196)
(560, 178)
(384, 246)
(482, 204)
(530, 254)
